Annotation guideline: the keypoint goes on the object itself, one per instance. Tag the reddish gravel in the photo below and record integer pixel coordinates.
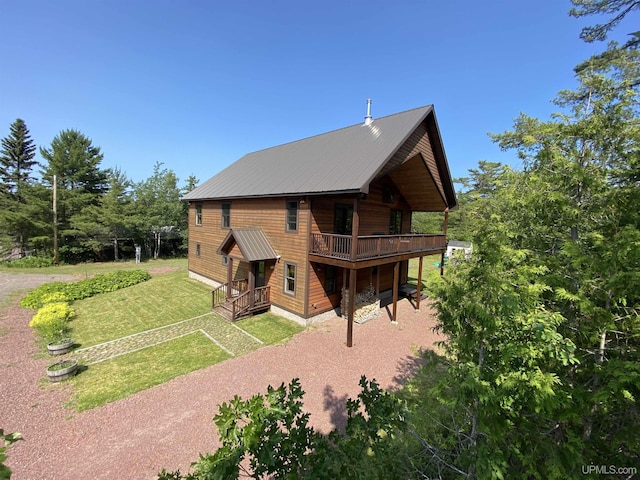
(168, 425)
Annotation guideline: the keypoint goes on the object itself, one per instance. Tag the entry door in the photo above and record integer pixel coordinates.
(343, 218)
(258, 271)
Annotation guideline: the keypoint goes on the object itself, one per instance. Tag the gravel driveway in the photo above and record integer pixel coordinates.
(169, 425)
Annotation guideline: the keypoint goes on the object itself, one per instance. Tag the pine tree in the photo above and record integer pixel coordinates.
(81, 183)
(17, 157)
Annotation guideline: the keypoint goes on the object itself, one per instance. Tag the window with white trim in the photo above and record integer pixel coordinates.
(198, 214)
(290, 278)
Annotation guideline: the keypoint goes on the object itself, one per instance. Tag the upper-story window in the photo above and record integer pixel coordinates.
(226, 215)
(292, 216)
(395, 223)
(198, 214)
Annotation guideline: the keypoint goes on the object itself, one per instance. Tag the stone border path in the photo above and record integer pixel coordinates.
(229, 337)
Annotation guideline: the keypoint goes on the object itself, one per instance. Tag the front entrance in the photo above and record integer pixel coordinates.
(259, 274)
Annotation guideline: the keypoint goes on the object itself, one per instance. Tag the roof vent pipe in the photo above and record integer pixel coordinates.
(368, 119)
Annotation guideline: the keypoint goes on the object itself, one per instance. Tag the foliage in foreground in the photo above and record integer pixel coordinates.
(269, 436)
(51, 321)
(6, 439)
(103, 283)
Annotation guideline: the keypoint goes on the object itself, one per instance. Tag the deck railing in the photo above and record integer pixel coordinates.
(373, 246)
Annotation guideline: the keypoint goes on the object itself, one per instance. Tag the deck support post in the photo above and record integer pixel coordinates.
(418, 289)
(229, 278)
(396, 281)
(444, 231)
(351, 305)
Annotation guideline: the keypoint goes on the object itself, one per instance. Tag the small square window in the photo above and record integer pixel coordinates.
(197, 249)
(225, 260)
(290, 278)
(198, 214)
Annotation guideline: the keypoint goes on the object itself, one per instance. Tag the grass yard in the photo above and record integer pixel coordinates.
(270, 328)
(125, 375)
(84, 270)
(164, 299)
(429, 271)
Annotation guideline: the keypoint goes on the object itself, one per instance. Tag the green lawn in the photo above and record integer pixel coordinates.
(165, 299)
(269, 327)
(162, 300)
(83, 270)
(429, 270)
(122, 376)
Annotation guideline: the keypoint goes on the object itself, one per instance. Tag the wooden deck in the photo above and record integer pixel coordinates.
(372, 247)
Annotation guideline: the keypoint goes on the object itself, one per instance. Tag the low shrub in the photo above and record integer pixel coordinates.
(29, 262)
(103, 283)
(52, 321)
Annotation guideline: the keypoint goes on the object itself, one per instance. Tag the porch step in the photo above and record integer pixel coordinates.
(224, 311)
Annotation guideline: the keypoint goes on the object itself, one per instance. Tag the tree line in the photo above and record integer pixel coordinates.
(99, 213)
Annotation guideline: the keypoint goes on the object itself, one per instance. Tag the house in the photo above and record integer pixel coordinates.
(297, 227)
(454, 245)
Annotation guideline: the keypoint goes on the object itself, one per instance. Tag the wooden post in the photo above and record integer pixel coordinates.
(252, 285)
(55, 220)
(229, 278)
(444, 231)
(396, 280)
(418, 290)
(355, 225)
(352, 305)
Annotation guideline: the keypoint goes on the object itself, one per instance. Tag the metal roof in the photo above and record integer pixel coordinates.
(340, 161)
(253, 244)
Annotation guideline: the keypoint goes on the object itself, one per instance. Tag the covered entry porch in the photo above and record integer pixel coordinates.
(249, 257)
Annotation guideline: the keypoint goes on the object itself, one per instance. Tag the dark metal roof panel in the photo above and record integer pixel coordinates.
(344, 160)
(253, 244)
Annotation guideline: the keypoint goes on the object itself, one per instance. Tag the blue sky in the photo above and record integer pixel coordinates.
(197, 84)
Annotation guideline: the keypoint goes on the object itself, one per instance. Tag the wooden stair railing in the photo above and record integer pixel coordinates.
(241, 305)
(220, 295)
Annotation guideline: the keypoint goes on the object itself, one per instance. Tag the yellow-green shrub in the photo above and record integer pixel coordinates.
(52, 321)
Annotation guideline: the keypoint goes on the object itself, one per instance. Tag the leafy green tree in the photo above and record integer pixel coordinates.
(81, 183)
(159, 212)
(583, 224)
(268, 436)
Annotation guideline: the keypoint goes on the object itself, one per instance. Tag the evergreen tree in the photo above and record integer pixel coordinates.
(22, 212)
(17, 157)
(80, 184)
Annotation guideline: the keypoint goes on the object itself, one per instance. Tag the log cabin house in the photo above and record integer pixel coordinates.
(296, 227)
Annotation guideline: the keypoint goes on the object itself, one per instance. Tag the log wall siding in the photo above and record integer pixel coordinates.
(266, 214)
(375, 213)
(320, 302)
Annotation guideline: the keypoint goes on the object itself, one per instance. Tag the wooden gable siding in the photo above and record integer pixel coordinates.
(270, 216)
(418, 142)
